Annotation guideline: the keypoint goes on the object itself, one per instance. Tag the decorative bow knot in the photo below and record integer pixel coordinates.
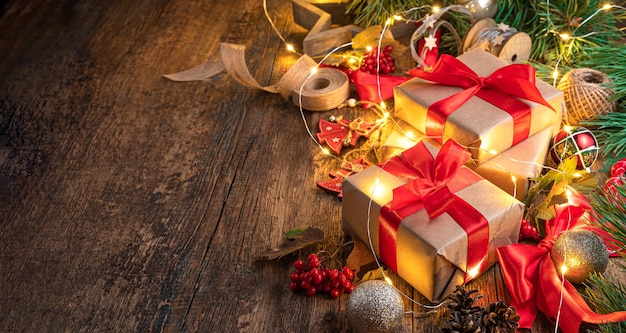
(431, 186)
(501, 88)
(534, 282)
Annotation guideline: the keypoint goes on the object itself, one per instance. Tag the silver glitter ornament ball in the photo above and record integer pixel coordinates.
(582, 252)
(374, 306)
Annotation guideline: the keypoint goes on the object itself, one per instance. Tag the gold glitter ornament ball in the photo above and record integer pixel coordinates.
(374, 307)
(581, 252)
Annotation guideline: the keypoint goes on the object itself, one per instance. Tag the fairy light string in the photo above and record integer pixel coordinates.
(382, 112)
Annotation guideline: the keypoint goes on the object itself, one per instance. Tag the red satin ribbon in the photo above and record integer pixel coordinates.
(431, 186)
(366, 85)
(534, 282)
(500, 89)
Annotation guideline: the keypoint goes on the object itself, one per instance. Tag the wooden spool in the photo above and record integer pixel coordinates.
(515, 46)
(586, 94)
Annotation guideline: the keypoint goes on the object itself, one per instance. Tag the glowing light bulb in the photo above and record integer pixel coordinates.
(555, 74)
(567, 128)
(607, 6)
(313, 70)
(368, 48)
(564, 36)
(388, 280)
(326, 151)
(397, 17)
(388, 22)
(473, 272)
(383, 105)
(563, 269)
(493, 152)
(577, 175)
(513, 178)
(410, 135)
(436, 9)
(290, 48)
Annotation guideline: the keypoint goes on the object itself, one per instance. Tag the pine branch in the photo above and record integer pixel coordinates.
(607, 295)
(610, 131)
(609, 213)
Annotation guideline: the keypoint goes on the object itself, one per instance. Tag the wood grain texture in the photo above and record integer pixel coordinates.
(130, 203)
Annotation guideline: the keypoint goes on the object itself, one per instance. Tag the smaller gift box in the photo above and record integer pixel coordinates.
(429, 218)
(480, 101)
(514, 169)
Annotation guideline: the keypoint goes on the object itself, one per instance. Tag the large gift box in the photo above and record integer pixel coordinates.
(512, 170)
(429, 218)
(480, 101)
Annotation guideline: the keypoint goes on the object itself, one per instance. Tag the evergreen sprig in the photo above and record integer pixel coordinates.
(609, 213)
(610, 131)
(607, 295)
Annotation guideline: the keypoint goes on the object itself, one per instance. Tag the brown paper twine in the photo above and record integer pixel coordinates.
(322, 91)
(586, 93)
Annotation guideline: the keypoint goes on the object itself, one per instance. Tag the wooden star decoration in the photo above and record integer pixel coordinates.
(430, 42)
(335, 184)
(503, 27)
(498, 40)
(343, 132)
(321, 38)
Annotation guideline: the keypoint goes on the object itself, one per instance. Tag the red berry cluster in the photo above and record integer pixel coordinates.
(385, 61)
(314, 278)
(528, 232)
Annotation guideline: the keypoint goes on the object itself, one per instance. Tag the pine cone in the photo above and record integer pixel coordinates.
(465, 317)
(500, 318)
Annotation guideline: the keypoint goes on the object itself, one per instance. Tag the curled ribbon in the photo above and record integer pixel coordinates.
(534, 282)
(431, 186)
(500, 89)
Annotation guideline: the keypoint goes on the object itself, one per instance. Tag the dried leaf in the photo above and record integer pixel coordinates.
(303, 239)
(361, 259)
(293, 233)
(375, 274)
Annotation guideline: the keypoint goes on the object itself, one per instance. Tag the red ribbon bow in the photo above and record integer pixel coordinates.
(431, 186)
(534, 282)
(500, 89)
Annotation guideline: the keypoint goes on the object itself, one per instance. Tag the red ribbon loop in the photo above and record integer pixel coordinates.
(534, 282)
(500, 89)
(431, 186)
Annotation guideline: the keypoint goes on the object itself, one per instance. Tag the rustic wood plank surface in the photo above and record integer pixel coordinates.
(132, 203)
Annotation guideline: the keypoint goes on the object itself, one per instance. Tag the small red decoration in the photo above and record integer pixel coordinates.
(528, 232)
(335, 184)
(343, 132)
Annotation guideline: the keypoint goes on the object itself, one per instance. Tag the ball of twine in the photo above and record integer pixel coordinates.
(586, 93)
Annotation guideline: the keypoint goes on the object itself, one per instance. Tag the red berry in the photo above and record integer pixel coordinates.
(348, 272)
(334, 293)
(314, 262)
(298, 264)
(294, 286)
(305, 285)
(342, 278)
(326, 286)
(335, 283)
(311, 256)
(332, 274)
(295, 277)
(311, 291)
(317, 278)
(350, 288)
(388, 48)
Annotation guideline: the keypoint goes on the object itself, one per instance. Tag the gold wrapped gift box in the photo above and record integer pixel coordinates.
(431, 253)
(479, 125)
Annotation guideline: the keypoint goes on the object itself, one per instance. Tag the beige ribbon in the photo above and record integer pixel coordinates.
(325, 90)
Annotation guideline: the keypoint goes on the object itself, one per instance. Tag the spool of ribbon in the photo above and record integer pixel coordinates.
(498, 39)
(323, 91)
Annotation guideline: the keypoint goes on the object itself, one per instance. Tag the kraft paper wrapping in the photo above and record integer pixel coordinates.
(524, 160)
(431, 254)
(477, 124)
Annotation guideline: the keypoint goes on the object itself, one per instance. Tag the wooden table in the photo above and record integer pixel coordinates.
(131, 203)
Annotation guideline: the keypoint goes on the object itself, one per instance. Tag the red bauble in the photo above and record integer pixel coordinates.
(576, 141)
